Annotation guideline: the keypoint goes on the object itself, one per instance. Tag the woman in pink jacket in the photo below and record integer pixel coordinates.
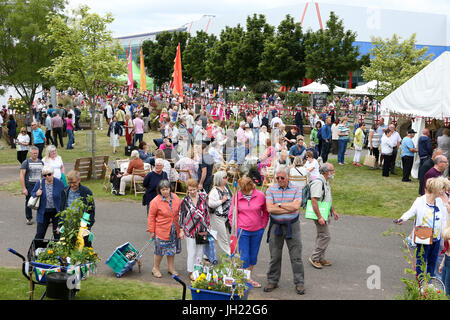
(252, 218)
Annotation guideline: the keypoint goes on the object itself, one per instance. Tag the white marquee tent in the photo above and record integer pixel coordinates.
(363, 89)
(426, 94)
(319, 87)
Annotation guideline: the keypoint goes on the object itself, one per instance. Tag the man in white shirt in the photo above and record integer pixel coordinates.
(109, 112)
(396, 140)
(275, 119)
(240, 134)
(256, 124)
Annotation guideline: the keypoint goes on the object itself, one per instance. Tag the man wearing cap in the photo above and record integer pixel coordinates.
(408, 150)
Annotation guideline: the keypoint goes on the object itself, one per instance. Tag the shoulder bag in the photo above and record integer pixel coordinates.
(369, 160)
(34, 202)
(424, 235)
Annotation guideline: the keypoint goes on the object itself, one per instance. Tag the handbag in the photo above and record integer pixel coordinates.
(199, 239)
(324, 208)
(369, 160)
(34, 202)
(424, 235)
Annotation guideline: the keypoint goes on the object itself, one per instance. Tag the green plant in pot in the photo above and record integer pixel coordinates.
(226, 277)
(68, 247)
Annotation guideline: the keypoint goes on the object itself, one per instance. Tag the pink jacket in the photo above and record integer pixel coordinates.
(251, 215)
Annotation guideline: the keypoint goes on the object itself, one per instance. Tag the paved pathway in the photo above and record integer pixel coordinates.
(356, 245)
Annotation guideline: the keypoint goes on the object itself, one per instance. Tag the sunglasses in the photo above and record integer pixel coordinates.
(47, 175)
(280, 178)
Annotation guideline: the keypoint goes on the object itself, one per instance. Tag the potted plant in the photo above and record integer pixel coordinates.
(69, 252)
(224, 281)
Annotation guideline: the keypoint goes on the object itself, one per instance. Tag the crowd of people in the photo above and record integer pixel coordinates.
(199, 143)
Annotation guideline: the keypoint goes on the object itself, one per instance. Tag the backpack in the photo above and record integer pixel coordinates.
(306, 193)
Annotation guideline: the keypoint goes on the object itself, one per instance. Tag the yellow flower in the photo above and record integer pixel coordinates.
(50, 251)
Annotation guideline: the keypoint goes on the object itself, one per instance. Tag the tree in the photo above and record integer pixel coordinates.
(250, 52)
(393, 63)
(194, 55)
(223, 59)
(159, 55)
(21, 52)
(283, 58)
(330, 54)
(88, 56)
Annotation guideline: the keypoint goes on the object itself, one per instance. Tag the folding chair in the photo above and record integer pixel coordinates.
(106, 183)
(137, 183)
(268, 179)
(302, 180)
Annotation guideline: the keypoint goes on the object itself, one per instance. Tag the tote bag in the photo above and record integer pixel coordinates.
(34, 202)
(369, 160)
(324, 208)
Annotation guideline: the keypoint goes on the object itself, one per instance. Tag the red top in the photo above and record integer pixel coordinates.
(445, 247)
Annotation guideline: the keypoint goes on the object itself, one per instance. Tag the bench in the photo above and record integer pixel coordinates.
(86, 168)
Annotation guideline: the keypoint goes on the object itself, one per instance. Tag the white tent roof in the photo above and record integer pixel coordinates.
(426, 94)
(364, 89)
(318, 87)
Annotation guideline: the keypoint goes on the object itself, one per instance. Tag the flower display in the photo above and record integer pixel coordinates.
(227, 277)
(18, 105)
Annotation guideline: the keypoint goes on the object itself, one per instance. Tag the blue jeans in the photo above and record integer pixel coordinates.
(438, 261)
(342, 147)
(209, 251)
(446, 274)
(430, 254)
(28, 211)
(249, 243)
(70, 135)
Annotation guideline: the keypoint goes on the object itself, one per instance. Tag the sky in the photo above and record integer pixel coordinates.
(141, 16)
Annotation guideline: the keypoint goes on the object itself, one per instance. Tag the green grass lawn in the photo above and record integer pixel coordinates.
(14, 286)
(364, 192)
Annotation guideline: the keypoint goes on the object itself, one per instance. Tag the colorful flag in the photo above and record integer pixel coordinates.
(177, 75)
(234, 229)
(143, 76)
(130, 73)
